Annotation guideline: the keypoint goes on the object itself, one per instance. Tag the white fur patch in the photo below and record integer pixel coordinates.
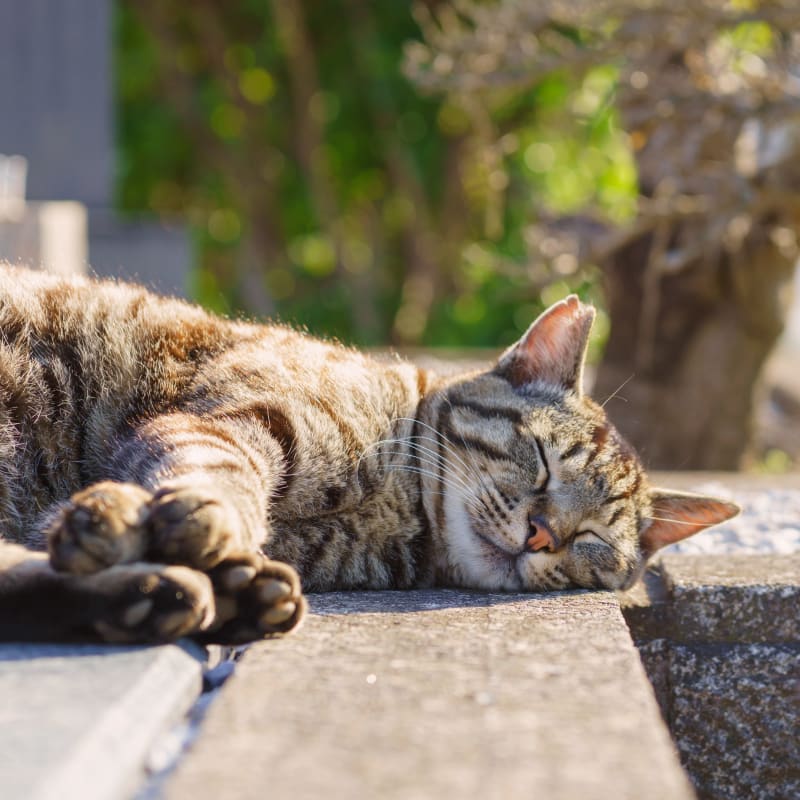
(467, 552)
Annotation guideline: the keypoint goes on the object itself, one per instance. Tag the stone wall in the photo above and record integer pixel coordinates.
(720, 639)
(57, 110)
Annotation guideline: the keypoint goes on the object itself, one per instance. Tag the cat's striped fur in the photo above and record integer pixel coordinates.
(155, 451)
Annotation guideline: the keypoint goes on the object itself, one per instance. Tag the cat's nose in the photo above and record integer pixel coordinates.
(541, 536)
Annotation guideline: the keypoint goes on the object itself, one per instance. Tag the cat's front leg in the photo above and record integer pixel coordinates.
(185, 490)
(196, 494)
(211, 484)
(100, 526)
(119, 523)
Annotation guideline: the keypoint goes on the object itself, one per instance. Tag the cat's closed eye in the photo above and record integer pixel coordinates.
(588, 537)
(543, 472)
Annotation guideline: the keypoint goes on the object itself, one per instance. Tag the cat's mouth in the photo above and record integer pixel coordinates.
(492, 546)
(495, 551)
(506, 562)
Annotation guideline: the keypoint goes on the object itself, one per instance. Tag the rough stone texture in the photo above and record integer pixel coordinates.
(647, 607)
(735, 717)
(720, 598)
(720, 639)
(735, 598)
(438, 694)
(77, 721)
(655, 655)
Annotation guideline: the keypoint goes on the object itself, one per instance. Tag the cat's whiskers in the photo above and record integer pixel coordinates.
(617, 390)
(468, 453)
(456, 467)
(473, 470)
(447, 445)
(452, 478)
(679, 521)
(464, 470)
(464, 493)
(419, 452)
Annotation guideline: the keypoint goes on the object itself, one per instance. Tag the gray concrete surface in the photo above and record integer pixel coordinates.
(439, 694)
(77, 721)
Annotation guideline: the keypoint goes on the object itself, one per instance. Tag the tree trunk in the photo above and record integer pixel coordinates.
(686, 349)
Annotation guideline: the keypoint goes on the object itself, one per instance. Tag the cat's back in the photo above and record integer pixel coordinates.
(49, 309)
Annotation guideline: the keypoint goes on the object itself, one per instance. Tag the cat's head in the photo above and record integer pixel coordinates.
(534, 489)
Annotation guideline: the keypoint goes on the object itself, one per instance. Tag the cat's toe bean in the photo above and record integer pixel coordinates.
(175, 624)
(152, 603)
(276, 615)
(238, 577)
(270, 591)
(99, 527)
(255, 597)
(193, 528)
(137, 612)
(67, 556)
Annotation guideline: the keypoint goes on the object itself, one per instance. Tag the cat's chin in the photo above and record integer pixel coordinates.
(475, 560)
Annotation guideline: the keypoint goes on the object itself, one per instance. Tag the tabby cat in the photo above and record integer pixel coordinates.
(164, 472)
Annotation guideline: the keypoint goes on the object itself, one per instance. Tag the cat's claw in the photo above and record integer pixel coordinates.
(255, 598)
(152, 603)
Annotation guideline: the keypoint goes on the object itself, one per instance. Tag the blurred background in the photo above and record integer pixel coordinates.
(433, 174)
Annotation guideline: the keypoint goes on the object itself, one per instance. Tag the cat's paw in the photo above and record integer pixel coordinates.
(150, 602)
(255, 598)
(101, 525)
(193, 527)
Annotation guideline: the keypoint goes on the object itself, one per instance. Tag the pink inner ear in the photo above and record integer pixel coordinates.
(678, 515)
(553, 348)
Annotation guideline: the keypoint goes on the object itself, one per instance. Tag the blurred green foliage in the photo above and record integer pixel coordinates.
(322, 188)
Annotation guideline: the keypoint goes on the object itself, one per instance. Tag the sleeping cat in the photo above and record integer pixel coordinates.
(165, 472)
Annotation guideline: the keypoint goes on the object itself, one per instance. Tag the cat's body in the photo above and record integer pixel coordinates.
(138, 431)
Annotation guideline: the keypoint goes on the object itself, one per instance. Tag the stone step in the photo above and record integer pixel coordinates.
(707, 599)
(720, 638)
(432, 694)
(77, 721)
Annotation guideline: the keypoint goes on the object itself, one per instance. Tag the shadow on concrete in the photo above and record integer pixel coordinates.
(27, 651)
(421, 600)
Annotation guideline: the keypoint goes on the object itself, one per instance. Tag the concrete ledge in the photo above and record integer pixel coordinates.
(77, 721)
(717, 599)
(734, 598)
(434, 694)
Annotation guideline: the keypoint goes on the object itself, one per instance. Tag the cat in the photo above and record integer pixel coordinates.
(165, 472)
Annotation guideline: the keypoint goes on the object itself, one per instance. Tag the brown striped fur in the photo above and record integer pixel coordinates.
(184, 472)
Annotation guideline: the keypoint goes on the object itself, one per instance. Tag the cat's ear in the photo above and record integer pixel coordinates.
(678, 515)
(553, 348)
